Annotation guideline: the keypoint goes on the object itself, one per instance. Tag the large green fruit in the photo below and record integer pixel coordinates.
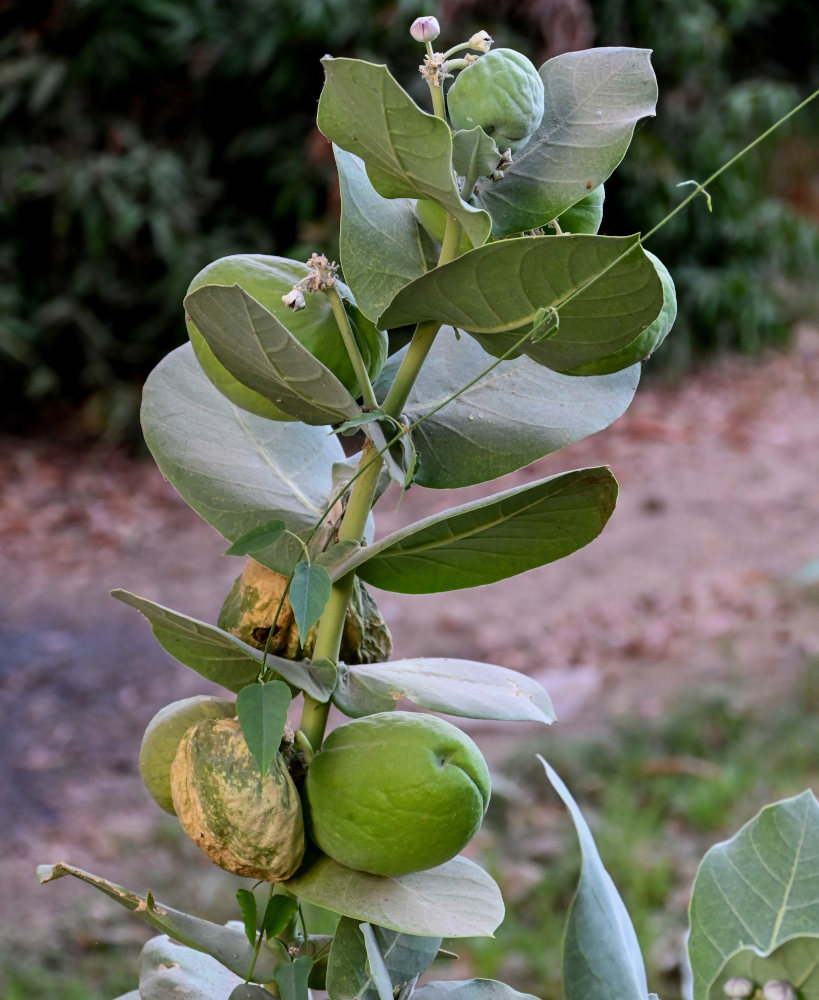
(503, 94)
(164, 734)
(267, 278)
(248, 824)
(395, 792)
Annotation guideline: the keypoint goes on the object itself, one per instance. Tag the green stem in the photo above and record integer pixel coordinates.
(436, 93)
(405, 378)
(360, 369)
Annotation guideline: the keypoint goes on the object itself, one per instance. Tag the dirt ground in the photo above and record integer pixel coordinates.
(706, 576)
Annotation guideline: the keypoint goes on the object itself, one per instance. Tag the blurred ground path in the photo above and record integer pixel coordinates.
(707, 574)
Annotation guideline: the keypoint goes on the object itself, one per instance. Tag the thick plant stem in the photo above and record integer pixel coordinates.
(410, 367)
(361, 374)
(331, 626)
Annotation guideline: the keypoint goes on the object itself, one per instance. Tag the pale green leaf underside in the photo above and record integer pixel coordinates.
(221, 657)
(463, 688)
(264, 355)
(227, 944)
(171, 971)
(492, 538)
(758, 890)
(601, 955)
(383, 246)
(469, 989)
(364, 110)
(498, 289)
(592, 101)
(235, 469)
(456, 899)
(513, 416)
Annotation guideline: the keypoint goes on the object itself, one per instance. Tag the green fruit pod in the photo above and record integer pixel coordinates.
(502, 93)
(246, 823)
(163, 736)
(267, 279)
(395, 792)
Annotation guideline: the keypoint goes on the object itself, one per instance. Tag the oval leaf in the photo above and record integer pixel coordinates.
(511, 417)
(168, 971)
(455, 687)
(235, 469)
(309, 594)
(220, 656)
(592, 101)
(757, 891)
(601, 954)
(407, 151)
(291, 978)
(457, 899)
(262, 711)
(263, 354)
(492, 538)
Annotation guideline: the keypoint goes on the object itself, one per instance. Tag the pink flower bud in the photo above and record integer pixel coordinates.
(425, 29)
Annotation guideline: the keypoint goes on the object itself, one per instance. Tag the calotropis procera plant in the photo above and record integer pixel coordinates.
(475, 228)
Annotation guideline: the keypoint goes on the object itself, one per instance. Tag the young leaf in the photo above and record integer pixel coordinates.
(474, 153)
(199, 439)
(593, 99)
(291, 978)
(456, 899)
(405, 956)
(227, 944)
(495, 293)
(480, 435)
(375, 963)
(221, 657)
(247, 904)
(455, 687)
(279, 912)
(168, 971)
(757, 891)
(309, 594)
(262, 711)
(492, 538)
(407, 151)
(601, 955)
(258, 538)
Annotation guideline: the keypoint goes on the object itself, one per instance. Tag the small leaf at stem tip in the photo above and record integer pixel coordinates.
(247, 904)
(278, 914)
(291, 978)
(258, 538)
(262, 712)
(309, 593)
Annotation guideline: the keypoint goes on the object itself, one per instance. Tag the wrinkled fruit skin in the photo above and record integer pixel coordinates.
(503, 94)
(395, 792)
(267, 278)
(250, 608)
(164, 734)
(249, 825)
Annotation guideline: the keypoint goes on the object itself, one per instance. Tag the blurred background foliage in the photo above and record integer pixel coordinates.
(144, 138)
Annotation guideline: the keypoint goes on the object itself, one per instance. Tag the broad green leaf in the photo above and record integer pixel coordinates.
(456, 899)
(470, 989)
(511, 417)
(586, 215)
(262, 712)
(407, 151)
(309, 594)
(279, 912)
(258, 538)
(227, 944)
(592, 101)
(455, 687)
(235, 469)
(796, 962)
(474, 154)
(405, 956)
(171, 971)
(247, 904)
(376, 964)
(757, 891)
(601, 955)
(291, 978)
(496, 292)
(379, 229)
(221, 657)
(492, 538)
(263, 354)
